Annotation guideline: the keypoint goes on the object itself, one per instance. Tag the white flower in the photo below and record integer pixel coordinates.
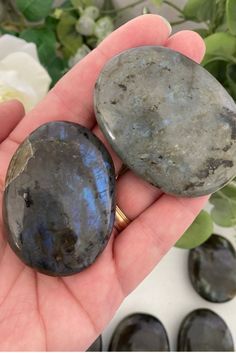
(22, 76)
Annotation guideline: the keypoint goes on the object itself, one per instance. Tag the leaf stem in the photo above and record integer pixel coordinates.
(108, 12)
(178, 9)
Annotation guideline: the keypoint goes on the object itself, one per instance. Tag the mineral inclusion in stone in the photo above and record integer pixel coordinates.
(168, 119)
(58, 206)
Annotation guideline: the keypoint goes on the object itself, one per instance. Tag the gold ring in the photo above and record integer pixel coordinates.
(121, 221)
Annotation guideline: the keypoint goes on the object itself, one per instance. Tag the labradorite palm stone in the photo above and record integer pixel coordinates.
(58, 206)
(139, 333)
(212, 269)
(168, 119)
(204, 331)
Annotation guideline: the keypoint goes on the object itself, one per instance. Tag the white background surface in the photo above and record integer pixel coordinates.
(167, 293)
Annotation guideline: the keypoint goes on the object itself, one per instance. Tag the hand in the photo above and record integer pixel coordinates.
(38, 312)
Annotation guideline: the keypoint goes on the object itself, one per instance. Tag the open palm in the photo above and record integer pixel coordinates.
(38, 312)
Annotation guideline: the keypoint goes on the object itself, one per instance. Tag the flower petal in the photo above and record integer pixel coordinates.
(29, 71)
(12, 87)
(10, 44)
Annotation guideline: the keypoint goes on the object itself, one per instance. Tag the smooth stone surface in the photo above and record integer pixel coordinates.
(212, 269)
(205, 331)
(58, 206)
(168, 119)
(140, 332)
(96, 346)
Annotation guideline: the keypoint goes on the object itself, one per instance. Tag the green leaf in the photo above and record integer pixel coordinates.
(85, 3)
(157, 2)
(200, 10)
(51, 23)
(199, 231)
(91, 42)
(218, 69)
(219, 44)
(222, 27)
(231, 15)
(231, 78)
(202, 31)
(224, 202)
(78, 4)
(45, 41)
(219, 17)
(56, 67)
(34, 10)
(68, 36)
(8, 31)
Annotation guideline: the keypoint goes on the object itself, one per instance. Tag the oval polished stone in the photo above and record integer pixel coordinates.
(204, 331)
(96, 346)
(58, 206)
(140, 332)
(212, 269)
(168, 119)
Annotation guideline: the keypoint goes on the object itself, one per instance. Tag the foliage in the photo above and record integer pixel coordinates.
(33, 9)
(199, 231)
(224, 205)
(60, 33)
(64, 35)
(219, 32)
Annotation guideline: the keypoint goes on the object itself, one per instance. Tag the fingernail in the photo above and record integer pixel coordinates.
(167, 24)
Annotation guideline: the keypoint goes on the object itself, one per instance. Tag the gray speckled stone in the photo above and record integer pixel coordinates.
(168, 119)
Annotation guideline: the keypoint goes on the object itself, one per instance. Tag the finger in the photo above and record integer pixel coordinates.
(134, 195)
(188, 43)
(145, 241)
(72, 98)
(11, 112)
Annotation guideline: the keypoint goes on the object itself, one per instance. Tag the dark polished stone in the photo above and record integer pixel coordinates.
(168, 119)
(58, 206)
(140, 332)
(212, 269)
(96, 346)
(204, 331)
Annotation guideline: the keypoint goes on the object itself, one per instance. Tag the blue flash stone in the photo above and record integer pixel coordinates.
(58, 205)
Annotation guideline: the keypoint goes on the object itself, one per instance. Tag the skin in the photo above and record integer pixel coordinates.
(38, 312)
